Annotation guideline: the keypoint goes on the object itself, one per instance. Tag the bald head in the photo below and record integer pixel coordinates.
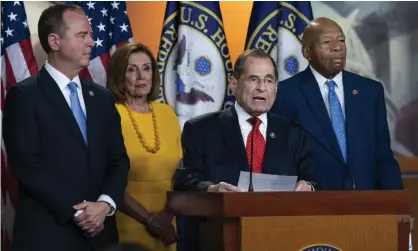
(315, 27)
(323, 45)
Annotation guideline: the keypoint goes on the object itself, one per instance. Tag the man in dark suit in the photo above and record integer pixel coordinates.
(344, 112)
(65, 146)
(217, 146)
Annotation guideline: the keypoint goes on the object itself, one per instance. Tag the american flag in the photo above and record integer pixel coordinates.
(17, 63)
(111, 29)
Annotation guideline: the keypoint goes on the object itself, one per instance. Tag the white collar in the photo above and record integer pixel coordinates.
(338, 79)
(243, 116)
(60, 78)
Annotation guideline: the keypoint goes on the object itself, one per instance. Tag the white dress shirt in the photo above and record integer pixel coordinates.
(323, 87)
(62, 82)
(246, 127)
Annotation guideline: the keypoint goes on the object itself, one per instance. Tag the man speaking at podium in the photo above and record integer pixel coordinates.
(218, 146)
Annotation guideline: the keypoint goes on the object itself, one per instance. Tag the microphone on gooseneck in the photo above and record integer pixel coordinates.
(250, 186)
(345, 166)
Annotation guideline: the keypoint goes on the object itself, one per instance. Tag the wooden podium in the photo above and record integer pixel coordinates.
(294, 221)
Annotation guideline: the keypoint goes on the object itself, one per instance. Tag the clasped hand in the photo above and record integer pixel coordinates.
(91, 220)
(159, 225)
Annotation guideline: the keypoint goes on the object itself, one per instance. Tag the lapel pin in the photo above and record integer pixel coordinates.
(272, 135)
(355, 92)
(91, 93)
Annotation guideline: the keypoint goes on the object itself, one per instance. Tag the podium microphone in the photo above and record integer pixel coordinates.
(250, 186)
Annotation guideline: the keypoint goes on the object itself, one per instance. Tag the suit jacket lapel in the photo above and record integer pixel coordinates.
(274, 142)
(323, 133)
(93, 118)
(352, 106)
(233, 138)
(52, 91)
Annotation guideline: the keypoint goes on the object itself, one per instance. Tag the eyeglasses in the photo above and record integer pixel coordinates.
(256, 80)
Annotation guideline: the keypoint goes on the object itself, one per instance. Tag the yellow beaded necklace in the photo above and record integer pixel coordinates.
(157, 143)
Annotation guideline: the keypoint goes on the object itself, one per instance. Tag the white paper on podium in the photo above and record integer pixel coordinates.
(267, 182)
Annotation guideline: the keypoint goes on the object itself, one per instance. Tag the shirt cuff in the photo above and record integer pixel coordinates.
(108, 200)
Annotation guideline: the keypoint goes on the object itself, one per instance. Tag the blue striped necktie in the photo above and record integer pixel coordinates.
(77, 110)
(337, 118)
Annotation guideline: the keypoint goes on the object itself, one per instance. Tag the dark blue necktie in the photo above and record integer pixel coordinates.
(77, 110)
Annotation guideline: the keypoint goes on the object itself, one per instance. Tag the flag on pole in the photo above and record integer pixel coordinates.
(111, 29)
(194, 60)
(17, 63)
(277, 28)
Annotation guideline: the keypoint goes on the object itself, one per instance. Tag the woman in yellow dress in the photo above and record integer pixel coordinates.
(152, 139)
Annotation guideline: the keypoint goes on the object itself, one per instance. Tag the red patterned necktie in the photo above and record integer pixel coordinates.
(259, 146)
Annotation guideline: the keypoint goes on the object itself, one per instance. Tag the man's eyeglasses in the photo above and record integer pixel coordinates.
(257, 80)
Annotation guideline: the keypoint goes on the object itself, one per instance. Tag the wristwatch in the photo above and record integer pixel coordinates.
(112, 209)
(311, 186)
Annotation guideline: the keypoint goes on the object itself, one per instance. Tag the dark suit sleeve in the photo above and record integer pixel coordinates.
(389, 176)
(190, 174)
(118, 160)
(305, 163)
(22, 140)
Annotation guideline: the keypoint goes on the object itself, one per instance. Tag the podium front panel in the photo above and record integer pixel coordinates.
(308, 233)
